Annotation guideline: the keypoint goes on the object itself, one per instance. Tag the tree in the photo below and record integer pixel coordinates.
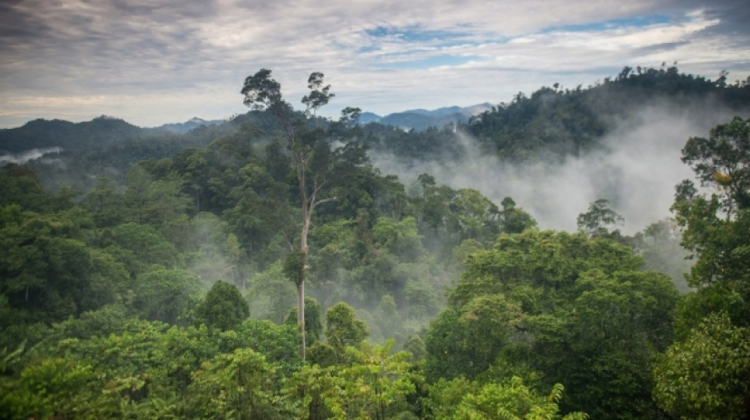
(318, 165)
(705, 373)
(313, 321)
(576, 309)
(236, 385)
(707, 376)
(515, 219)
(372, 385)
(223, 307)
(426, 180)
(511, 400)
(723, 161)
(375, 384)
(164, 294)
(595, 222)
(343, 329)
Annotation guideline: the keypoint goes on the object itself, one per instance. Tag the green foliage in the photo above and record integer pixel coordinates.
(451, 216)
(596, 221)
(20, 185)
(145, 370)
(156, 202)
(720, 244)
(659, 245)
(466, 248)
(375, 383)
(48, 270)
(387, 317)
(227, 203)
(342, 329)
(271, 294)
(723, 160)
(465, 341)
(278, 343)
(705, 373)
(236, 385)
(104, 203)
(571, 307)
(223, 307)
(705, 376)
(163, 295)
(400, 238)
(294, 267)
(313, 320)
(416, 347)
(372, 385)
(51, 388)
(514, 219)
(571, 121)
(512, 401)
(140, 247)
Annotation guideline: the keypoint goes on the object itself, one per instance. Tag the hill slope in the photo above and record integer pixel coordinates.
(41, 134)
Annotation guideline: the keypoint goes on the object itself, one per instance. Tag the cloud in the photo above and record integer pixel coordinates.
(170, 60)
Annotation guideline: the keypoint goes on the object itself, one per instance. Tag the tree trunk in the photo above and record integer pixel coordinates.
(306, 217)
(301, 311)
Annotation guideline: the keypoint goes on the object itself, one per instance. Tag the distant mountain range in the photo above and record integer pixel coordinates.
(106, 131)
(188, 125)
(421, 119)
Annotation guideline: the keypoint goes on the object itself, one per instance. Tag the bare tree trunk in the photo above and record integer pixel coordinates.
(307, 209)
(301, 313)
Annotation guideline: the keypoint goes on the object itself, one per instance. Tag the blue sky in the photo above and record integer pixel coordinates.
(152, 62)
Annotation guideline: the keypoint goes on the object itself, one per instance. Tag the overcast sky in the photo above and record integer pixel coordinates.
(151, 62)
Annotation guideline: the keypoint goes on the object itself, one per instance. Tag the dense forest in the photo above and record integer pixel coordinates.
(266, 268)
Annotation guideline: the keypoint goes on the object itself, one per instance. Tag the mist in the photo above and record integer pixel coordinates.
(23, 157)
(636, 168)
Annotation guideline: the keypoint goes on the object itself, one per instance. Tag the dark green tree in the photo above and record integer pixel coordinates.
(723, 161)
(313, 320)
(223, 307)
(574, 309)
(599, 219)
(514, 219)
(163, 294)
(705, 373)
(343, 329)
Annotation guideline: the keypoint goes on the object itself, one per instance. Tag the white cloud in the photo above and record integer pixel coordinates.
(171, 60)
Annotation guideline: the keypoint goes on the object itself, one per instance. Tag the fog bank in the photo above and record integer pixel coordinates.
(636, 169)
(21, 158)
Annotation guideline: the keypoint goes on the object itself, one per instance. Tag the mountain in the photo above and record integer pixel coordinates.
(573, 121)
(369, 117)
(421, 119)
(106, 131)
(451, 110)
(45, 134)
(188, 125)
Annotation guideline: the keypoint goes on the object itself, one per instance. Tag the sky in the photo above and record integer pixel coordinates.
(152, 62)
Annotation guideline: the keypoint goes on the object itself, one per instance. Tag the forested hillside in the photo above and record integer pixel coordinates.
(267, 269)
(99, 132)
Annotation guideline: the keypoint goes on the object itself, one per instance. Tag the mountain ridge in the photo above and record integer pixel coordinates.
(105, 131)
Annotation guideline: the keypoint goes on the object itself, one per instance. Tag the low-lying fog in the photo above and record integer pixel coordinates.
(23, 157)
(636, 170)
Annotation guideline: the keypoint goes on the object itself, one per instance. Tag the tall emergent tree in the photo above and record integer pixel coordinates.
(319, 165)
